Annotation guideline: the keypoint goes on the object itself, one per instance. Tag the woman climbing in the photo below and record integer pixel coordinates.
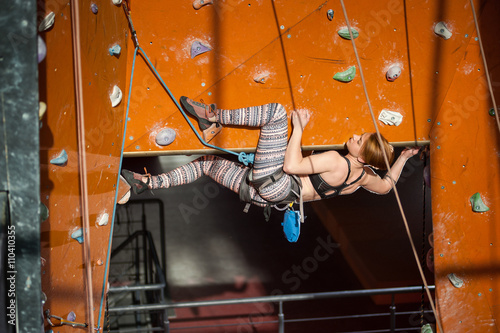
(280, 171)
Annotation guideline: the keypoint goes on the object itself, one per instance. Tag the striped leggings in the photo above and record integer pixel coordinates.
(269, 157)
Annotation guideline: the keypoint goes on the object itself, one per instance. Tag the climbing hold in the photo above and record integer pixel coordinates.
(492, 112)
(117, 2)
(94, 8)
(71, 316)
(477, 203)
(344, 33)
(115, 50)
(44, 212)
(198, 48)
(116, 96)
(61, 159)
(43, 298)
(393, 73)
(346, 76)
(42, 107)
(197, 4)
(390, 117)
(165, 137)
(102, 219)
(427, 175)
(78, 235)
(455, 280)
(47, 22)
(427, 328)
(442, 31)
(329, 14)
(99, 262)
(42, 49)
(261, 78)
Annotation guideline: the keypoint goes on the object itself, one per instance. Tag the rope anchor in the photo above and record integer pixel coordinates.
(60, 322)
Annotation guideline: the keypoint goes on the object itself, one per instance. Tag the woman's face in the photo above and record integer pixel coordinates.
(355, 143)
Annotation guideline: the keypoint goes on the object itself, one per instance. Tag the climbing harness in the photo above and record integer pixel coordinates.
(294, 194)
(386, 160)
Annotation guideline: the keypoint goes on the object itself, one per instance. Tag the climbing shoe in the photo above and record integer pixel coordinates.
(203, 113)
(135, 181)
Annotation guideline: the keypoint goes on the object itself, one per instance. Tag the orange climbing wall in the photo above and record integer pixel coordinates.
(63, 267)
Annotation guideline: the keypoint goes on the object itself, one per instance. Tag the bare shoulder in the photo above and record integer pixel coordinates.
(324, 162)
(370, 176)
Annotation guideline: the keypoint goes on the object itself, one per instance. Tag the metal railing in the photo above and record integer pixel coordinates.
(280, 299)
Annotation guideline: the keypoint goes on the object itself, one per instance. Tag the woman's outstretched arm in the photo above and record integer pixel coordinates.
(383, 185)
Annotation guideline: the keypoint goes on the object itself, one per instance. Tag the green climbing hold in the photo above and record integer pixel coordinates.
(344, 33)
(492, 112)
(477, 203)
(346, 76)
(44, 212)
(427, 328)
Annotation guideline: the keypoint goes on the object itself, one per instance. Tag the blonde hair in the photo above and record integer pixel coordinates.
(372, 152)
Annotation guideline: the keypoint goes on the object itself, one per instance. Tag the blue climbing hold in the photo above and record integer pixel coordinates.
(61, 159)
(78, 235)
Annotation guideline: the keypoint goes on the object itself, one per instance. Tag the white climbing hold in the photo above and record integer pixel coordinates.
(390, 117)
(42, 49)
(393, 73)
(47, 22)
(116, 96)
(165, 137)
(455, 280)
(115, 50)
(103, 219)
(442, 31)
(42, 107)
(117, 2)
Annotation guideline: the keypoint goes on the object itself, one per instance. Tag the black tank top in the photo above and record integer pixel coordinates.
(321, 187)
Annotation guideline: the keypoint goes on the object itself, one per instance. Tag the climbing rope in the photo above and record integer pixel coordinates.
(485, 65)
(379, 137)
(82, 165)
